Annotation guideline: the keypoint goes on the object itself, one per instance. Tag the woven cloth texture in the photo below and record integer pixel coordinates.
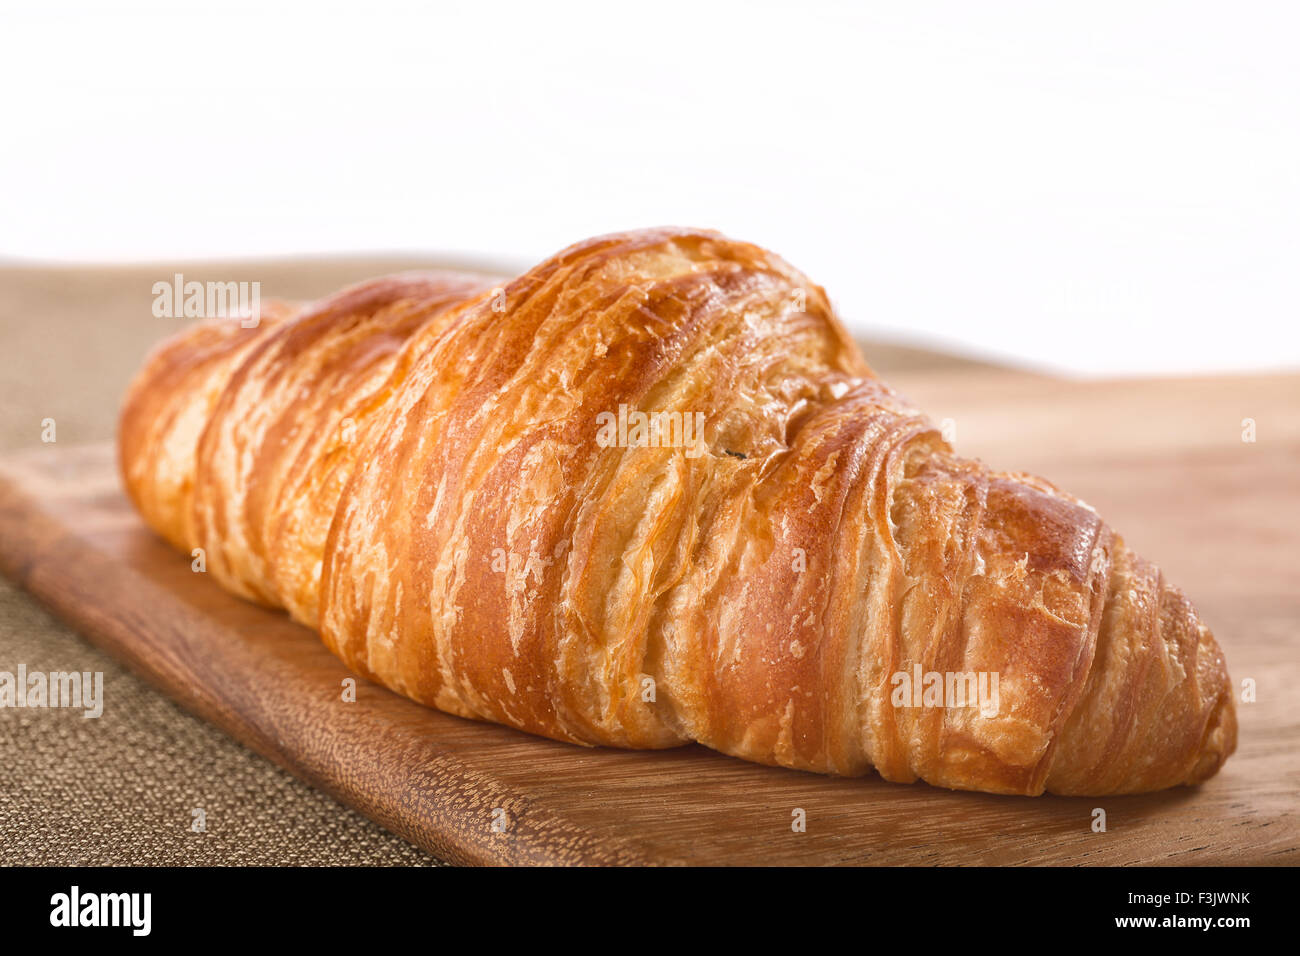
(122, 788)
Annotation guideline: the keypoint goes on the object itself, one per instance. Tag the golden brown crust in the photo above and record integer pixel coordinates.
(284, 434)
(168, 405)
(758, 587)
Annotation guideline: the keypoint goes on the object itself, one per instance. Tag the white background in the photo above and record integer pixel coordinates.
(1099, 188)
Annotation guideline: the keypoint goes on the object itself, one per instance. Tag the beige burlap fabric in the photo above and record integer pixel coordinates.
(122, 789)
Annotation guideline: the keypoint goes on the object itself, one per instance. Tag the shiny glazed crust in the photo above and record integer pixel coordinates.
(412, 467)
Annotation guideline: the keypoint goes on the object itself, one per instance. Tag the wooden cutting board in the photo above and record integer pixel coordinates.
(1164, 461)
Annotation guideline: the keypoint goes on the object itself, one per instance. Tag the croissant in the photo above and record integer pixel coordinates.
(650, 493)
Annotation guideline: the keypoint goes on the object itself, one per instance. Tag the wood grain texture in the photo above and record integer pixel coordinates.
(1164, 460)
